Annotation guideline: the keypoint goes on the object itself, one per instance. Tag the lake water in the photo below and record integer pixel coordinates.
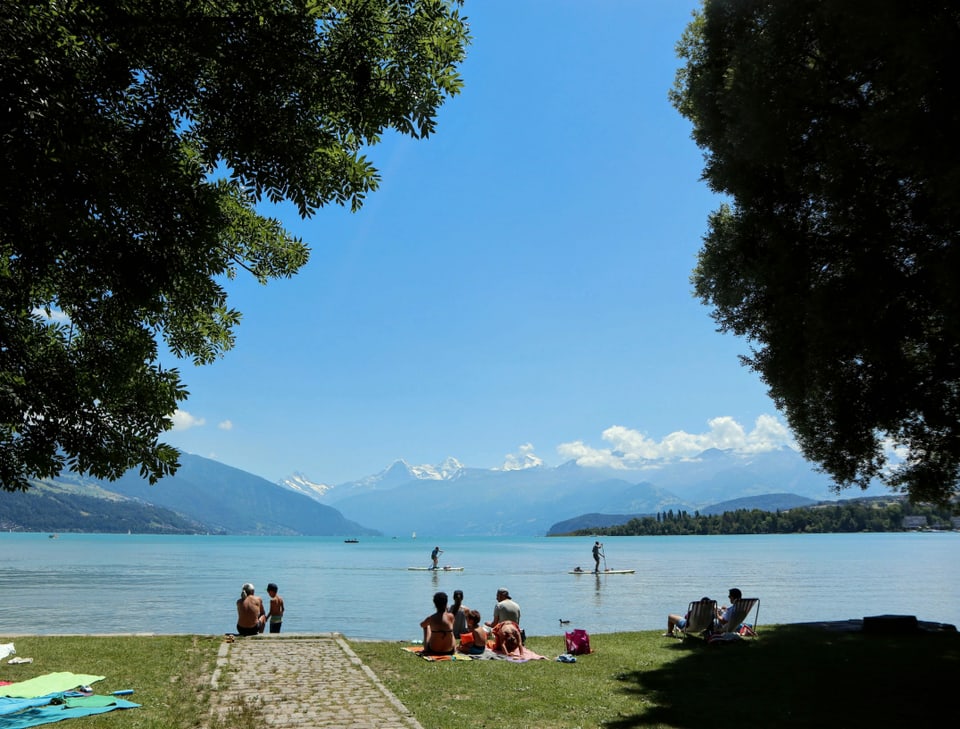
(92, 583)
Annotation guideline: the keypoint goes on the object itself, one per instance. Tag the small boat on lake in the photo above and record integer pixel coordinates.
(351, 541)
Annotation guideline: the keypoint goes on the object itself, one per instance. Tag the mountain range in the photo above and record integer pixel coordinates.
(451, 499)
(204, 496)
(448, 499)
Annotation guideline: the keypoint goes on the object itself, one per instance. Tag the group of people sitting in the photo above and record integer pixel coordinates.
(723, 615)
(457, 628)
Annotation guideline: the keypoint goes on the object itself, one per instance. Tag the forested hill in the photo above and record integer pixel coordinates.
(882, 514)
(47, 508)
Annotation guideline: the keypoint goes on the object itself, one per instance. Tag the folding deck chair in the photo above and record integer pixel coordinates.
(701, 616)
(741, 611)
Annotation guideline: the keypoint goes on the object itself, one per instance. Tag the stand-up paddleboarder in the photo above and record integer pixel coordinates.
(597, 554)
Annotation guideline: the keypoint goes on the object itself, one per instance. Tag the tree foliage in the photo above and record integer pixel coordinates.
(862, 515)
(137, 140)
(831, 128)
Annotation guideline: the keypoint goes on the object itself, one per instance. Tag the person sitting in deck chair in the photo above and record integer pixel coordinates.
(727, 611)
(676, 622)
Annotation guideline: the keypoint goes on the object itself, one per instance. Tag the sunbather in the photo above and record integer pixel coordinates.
(251, 616)
(507, 638)
(438, 629)
(474, 641)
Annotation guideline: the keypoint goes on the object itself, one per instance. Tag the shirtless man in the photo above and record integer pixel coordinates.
(251, 616)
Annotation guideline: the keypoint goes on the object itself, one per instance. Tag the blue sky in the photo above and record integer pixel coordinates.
(517, 290)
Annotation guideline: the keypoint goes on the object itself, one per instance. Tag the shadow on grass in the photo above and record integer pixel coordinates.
(801, 676)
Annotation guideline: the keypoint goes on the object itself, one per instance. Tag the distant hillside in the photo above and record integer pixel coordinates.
(237, 502)
(591, 521)
(767, 502)
(850, 516)
(203, 496)
(56, 508)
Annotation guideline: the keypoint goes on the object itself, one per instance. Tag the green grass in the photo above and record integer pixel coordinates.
(170, 675)
(790, 676)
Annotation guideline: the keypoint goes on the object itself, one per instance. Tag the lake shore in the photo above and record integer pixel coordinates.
(804, 676)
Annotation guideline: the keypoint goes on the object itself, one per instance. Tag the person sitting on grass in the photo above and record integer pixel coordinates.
(507, 638)
(474, 641)
(438, 629)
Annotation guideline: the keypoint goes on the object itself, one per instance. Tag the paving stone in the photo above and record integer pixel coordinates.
(306, 681)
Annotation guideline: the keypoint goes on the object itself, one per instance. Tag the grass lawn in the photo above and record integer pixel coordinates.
(791, 676)
(170, 675)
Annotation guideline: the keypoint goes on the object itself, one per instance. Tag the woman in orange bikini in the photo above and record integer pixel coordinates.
(438, 629)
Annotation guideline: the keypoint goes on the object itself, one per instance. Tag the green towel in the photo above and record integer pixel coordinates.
(89, 702)
(49, 683)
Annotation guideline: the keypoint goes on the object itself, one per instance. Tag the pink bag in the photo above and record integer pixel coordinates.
(578, 642)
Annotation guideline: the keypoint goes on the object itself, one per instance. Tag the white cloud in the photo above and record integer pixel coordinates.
(226, 425)
(525, 458)
(630, 449)
(182, 420)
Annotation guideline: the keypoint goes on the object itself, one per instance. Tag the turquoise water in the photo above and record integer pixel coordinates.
(91, 583)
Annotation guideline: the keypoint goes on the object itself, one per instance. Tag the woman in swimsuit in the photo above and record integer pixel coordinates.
(438, 629)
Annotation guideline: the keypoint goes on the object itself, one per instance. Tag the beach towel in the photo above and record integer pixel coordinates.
(72, 708)
(12, 706)
(418, 650)
(48, 683)
(521, 655)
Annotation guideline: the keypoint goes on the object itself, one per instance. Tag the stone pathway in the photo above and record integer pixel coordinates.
(308, 682)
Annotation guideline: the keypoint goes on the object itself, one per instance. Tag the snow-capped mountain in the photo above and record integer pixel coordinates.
(397, 473)
(450, 469)
(529, 497)
(302, 485)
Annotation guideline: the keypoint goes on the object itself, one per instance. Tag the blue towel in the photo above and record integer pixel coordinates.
(10, 705)
(72, 709)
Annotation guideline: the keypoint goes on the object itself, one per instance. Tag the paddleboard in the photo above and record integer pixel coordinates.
(438, 569)
(602, 572)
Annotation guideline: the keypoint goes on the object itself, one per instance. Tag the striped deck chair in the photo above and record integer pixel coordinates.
(701, 615)
(741, 611)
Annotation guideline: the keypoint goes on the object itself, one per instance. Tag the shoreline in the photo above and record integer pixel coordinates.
(877, 624)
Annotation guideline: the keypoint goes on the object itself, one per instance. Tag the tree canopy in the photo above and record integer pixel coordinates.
(832, 130)
(138, 140)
